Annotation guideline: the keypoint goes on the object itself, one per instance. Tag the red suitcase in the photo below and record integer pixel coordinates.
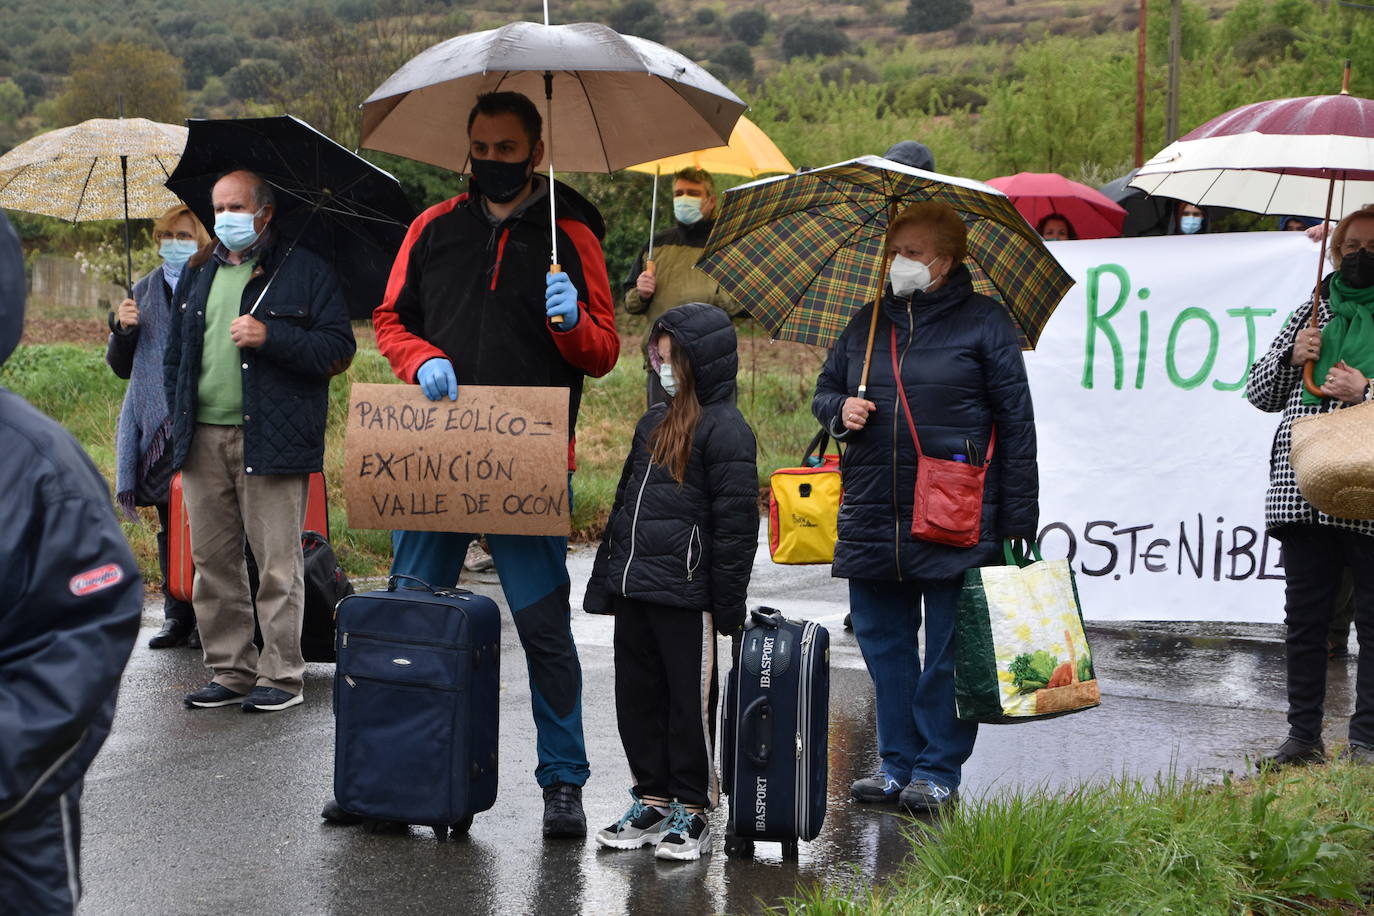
(181, 569)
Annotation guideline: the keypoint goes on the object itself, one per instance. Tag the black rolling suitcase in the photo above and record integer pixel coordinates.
(415, 705)
(775, 732)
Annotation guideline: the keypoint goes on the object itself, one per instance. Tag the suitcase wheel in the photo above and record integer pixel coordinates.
(789, 851)
(373, 825)
(738, 848)
(462, 827)
(440, 831)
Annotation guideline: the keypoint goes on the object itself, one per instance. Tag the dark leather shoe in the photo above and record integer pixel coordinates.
(172, 634)
(1291, 752)
(563, 815)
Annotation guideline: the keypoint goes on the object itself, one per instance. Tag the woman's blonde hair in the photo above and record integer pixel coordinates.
(164, 223)
(947, 230)
(1342, 228)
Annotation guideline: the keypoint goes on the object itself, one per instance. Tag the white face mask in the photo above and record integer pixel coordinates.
(665, 378)
(908, 276)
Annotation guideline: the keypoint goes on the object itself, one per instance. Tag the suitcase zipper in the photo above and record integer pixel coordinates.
(803, 770)
(381, 637)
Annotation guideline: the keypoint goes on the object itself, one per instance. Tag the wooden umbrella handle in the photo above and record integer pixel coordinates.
(877, 303)
(1309, 369)
(649, 266)
(555, 269)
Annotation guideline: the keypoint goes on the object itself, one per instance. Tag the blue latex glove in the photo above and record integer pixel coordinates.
(436, 379)
(560, 298)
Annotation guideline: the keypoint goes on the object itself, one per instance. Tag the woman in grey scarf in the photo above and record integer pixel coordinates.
(138, 335)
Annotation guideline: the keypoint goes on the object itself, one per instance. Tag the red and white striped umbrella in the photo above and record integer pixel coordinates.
(1282, 157)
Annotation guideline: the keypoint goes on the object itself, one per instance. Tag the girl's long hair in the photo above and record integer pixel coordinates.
(671, 442)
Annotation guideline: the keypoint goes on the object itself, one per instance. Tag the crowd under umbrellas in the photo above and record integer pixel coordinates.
(803, 252)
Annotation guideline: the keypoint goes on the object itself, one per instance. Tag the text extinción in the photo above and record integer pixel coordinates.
(492, 462)
(1191, 550)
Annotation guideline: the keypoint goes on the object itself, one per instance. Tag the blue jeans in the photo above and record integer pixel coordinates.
(534, 577)
(919, 734)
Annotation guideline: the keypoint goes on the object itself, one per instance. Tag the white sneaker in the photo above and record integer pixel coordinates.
(688, 836)
(642, 825)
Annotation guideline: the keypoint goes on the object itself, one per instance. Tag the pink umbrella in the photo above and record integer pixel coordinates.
(1036, 195)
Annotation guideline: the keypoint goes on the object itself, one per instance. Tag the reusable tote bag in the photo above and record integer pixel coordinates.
(1020, 650)
(804, 507)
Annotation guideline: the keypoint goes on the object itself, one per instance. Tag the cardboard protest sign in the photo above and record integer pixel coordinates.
(495, 461)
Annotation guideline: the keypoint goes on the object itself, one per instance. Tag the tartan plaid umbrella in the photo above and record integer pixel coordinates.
(804, 253)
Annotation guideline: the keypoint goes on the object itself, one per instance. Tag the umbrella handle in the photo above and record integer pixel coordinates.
(877, 304)
(649, 266)
(1309, 369)
(555, 269)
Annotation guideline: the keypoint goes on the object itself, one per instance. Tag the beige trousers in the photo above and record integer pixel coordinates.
(227, 507)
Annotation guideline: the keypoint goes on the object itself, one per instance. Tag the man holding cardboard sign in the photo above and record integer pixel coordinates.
(471, 301)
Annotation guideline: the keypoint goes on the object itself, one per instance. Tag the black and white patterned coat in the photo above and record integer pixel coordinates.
(1275, 385)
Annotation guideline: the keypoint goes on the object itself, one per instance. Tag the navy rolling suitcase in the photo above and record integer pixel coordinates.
(415, 705)
(775, 733)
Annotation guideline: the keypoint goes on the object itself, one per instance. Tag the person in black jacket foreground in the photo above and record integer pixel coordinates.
(70, 602)
(960, 365)
(673, 564)
(143, 454)
(257, 329)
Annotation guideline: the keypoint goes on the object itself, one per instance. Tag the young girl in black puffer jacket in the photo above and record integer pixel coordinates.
(674, 568)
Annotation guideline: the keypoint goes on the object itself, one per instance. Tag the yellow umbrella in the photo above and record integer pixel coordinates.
(104, 168)
(749, 153)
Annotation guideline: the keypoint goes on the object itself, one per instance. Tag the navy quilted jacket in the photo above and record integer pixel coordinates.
(286, 380)
(961, 365)
(688, 545)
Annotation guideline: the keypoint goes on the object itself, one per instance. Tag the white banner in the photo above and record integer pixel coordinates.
(1153, 466)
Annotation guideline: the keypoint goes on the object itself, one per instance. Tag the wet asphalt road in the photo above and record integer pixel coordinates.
(215, 811)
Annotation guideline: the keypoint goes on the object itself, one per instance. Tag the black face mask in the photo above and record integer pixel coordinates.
(1357, 269)
(498, 181)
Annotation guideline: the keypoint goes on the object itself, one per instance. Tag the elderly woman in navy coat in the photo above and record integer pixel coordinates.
(959, 360)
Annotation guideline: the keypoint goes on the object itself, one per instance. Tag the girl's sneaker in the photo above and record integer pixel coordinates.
(688, 836)
(642, 825)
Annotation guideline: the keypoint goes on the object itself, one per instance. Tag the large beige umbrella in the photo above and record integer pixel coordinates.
(104, 168)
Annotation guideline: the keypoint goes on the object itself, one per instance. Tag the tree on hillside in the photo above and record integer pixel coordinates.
(935, 15)
(256, 79)
(12, 102)
(749, 26)
(638, 17)
(150, 82)
(809, 38)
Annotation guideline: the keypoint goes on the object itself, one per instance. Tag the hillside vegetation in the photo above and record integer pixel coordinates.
(1036, 85)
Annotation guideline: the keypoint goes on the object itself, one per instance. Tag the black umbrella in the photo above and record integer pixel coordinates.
(1149, 214)
(330, 201)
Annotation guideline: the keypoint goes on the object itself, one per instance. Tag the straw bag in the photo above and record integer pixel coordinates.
(1333, 460)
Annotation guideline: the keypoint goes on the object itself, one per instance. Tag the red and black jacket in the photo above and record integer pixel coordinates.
(464, 289)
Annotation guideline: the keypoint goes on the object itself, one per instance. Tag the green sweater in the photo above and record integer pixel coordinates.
(221, 380)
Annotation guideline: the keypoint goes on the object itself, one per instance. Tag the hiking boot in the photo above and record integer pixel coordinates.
(878, 788)
(1293, 751)
(563, 817)
(270, 699)
(922, 796)
(337, 815)
(688, 836)
(1357, 753)
(173, 633)
(642, 825)
(212, 695)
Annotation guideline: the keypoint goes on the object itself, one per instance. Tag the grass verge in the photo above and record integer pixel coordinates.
(71, 383)
(1299, 841)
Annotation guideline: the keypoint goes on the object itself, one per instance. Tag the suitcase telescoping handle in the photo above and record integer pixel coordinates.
(769, 617)
(755, 734)
(393, 583)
